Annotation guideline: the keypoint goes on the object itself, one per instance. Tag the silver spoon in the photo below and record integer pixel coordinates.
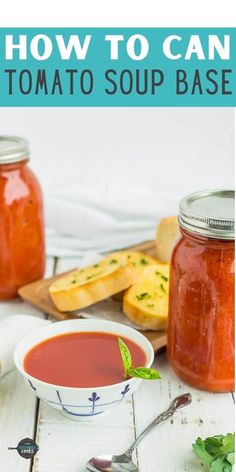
(123, 462)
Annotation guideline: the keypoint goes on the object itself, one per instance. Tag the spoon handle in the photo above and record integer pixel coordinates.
(177, 403)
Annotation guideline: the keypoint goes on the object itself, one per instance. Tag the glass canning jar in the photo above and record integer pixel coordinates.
(201, 305)
(22, 250)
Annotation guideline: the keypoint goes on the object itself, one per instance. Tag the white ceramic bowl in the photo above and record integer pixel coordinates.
(74, 402)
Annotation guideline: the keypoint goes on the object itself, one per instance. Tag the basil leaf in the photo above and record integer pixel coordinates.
(125, 355)
(140, 372)
(143, 373)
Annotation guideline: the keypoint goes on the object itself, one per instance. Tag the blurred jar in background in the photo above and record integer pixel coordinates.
(22, 247)
(201, 306)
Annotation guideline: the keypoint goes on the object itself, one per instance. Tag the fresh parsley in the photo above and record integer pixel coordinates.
(216, 452)
(129, 370)
(143, 296)
(164, 278)
(163, 288)
(143, 262)
(90, 277)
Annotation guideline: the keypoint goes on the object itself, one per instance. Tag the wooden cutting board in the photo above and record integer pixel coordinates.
(37, 294)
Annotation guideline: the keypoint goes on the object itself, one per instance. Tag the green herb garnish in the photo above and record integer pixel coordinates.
(142, 296)
(164, 278)
(144, 373)
(126, 356)
(90, 276)
(95, 266)
(163, 288)
(113, 261)
(144, 262)
(216, 452)
(129, 371)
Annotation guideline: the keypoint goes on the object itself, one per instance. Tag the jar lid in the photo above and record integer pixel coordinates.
(209, 213)
(13, 149)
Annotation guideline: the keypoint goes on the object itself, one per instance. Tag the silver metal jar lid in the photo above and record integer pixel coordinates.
(209, 213)
(13, 149)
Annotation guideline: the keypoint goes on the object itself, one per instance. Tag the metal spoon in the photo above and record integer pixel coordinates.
(123, 462)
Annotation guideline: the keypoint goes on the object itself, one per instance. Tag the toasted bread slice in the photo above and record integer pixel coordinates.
(167, 234)
(146, 302)
(139, 262)
(137, 259)
(88, 285)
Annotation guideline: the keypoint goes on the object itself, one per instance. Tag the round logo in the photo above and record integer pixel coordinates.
(27, 448)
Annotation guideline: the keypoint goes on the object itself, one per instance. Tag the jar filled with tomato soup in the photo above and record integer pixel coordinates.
(22, 250)
(201, 305)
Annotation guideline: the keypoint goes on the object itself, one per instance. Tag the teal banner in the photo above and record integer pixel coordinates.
(117, 67)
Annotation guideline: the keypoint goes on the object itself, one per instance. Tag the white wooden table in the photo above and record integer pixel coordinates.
(66, 445)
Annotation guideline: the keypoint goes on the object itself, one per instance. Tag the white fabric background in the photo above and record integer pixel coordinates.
(132, 13)
(108, 175)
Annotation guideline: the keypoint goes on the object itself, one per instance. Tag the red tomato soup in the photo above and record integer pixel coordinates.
(81, 359)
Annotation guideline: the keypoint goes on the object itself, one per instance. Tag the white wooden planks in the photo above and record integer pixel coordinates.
(169, 448)
(17, 420)
(17, 404)
(67, 445)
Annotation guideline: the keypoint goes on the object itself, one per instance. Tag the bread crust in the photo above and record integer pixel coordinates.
(146, 302)
(166, 236)
(93, 291)
(142, 317)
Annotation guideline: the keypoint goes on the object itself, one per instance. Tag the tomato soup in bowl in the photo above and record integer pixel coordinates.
(76, 367)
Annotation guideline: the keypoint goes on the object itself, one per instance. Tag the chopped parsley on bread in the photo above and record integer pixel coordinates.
(146, 302)
(139, 261)
(88, 285)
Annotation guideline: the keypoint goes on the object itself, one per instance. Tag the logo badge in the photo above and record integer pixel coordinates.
(26, 448)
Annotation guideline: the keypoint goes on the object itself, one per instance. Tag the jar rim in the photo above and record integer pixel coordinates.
(13, 149)
(209, 213)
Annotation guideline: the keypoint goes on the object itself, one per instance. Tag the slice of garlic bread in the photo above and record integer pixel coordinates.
(137, 259)
(86, 286)
(139, 262)
(146, 302)
(167, 235)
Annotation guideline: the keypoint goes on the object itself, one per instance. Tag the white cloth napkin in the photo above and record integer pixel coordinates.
(12, 330)
(94, 216)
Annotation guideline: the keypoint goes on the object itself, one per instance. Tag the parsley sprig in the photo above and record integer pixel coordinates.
(217, 452)
(129, 370)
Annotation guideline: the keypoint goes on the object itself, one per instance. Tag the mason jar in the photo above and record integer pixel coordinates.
(201, 305)
(22, 249)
